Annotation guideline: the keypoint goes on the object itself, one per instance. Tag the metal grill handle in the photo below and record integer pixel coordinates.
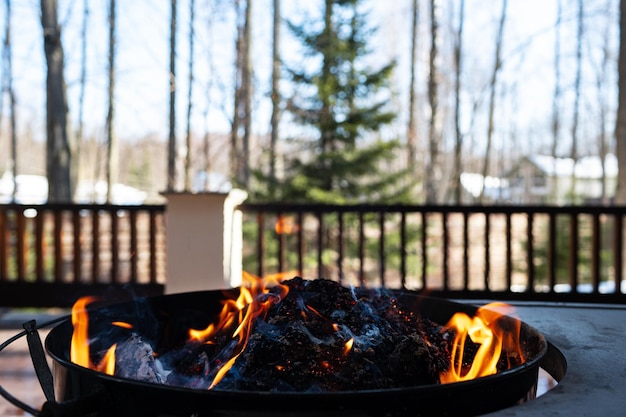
(75, 408)
(38, 357)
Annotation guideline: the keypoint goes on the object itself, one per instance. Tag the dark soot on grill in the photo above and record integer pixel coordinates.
(300, 345)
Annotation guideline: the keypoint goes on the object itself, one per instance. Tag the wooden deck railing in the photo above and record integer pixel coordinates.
(52, 254)
(505, 252)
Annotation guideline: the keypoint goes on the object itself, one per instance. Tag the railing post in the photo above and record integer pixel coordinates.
(203, 241)
(466, 242)
(487, 276)
(445, 250)
(530, 252)
(618, 247)
(320, 244)
(595, 252)
(403, 251)
(424, 248)
(4, 247)
(573, 252)
(509, 252)
(552, 257)
(21, 239)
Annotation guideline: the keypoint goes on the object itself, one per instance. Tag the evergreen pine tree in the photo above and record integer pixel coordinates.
(342, 101)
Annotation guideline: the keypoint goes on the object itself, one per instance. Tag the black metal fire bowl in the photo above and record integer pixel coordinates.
(83, 392)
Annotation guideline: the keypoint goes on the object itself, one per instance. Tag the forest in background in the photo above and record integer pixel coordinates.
(500, 80)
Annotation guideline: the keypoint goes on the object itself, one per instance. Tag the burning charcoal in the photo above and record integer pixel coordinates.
(316, 337)
(410, 362)
(192, 367)
(301, 344)
(134, 359)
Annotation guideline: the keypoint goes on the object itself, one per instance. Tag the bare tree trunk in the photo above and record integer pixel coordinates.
(577, 92)
(603, 106)
(492, 97)
(458, 145)
(7, 87)
(59, 145)
(171, 148)
(433, 100)
(13, 122)
(206, 151)
(326, 139)
(411, 135)
(247, 91)
(83, 80)
(189, 97)
(242, 117)
(112, 151)
(620, 122)
(236, 123)
(556, 98)
(276, 97)
(206, 148)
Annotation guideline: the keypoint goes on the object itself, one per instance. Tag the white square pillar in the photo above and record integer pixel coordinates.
(203, 234)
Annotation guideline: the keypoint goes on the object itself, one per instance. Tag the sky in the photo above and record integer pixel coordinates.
(142, 90)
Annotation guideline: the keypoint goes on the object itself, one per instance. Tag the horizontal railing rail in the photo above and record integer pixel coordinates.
(54, 253)
(508, 252)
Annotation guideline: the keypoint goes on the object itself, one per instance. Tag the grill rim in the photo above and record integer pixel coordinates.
(395, 400)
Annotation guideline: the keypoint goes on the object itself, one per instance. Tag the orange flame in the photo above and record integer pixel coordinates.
(79, 349)
(241, 313)
(107, 364)
(487, 330)
(80, 353)
(348, 346)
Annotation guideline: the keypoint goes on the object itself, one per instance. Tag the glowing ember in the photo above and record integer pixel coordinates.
(122, 324)
(488, 331)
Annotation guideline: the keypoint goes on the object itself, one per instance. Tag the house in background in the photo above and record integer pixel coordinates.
(543, 179)
(494, 189)
(33, 189)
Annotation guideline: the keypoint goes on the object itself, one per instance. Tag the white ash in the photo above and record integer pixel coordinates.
(134, 359)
